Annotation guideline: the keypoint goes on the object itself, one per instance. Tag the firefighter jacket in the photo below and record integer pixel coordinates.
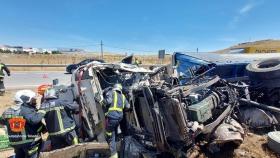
(23, 123)
(59, 119)
(115, 102)
(3, 68)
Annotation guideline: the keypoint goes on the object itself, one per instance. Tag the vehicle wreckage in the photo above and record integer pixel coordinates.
(176, 107)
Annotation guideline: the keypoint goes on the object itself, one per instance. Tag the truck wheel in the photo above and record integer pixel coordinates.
(264, 69)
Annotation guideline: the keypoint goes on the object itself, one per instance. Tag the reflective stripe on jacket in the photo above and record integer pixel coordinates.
(58, 118)
(1, 70)
(118, 102)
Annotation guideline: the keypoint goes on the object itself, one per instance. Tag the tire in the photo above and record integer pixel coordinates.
(274, 141)
(264, 69)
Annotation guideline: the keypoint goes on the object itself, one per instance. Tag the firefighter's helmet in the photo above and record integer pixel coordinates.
(117, 87)
(24, 96)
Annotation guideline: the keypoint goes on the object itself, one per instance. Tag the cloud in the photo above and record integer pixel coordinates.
(246, 8)
(242, 11)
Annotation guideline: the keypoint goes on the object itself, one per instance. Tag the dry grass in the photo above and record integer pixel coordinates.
(268, 44)
(71, 58)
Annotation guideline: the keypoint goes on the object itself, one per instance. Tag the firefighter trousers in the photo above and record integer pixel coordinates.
(61, 141)
(28, 151)
(111, 132)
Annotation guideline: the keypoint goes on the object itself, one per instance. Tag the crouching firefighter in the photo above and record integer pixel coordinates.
(59, 120)
(115, 102)
(3, 68)
(24, 125)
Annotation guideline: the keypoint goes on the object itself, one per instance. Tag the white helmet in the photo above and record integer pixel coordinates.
(50, 93)
(117, 87)
(24, 96)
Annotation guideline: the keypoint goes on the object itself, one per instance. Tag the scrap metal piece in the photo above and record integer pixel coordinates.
(131, 148)
(80, 150)
(210, 127)
(259, 105)
(229, 131)
(188, 89)
(257, 118)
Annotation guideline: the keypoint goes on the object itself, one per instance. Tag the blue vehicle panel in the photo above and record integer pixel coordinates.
(187, 66)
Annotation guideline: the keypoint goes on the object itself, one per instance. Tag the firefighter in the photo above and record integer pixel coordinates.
(3, 68)
(24, 125)
(115, 102)
(137, 62)
(59, 120)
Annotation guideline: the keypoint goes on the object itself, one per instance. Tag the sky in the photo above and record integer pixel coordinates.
(142, 26)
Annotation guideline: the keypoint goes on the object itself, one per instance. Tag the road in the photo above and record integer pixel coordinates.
(32, 79)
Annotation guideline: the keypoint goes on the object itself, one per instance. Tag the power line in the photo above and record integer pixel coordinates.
(102, 46)
(129, 49)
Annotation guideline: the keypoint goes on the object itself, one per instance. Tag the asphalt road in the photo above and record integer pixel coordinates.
(21, 80)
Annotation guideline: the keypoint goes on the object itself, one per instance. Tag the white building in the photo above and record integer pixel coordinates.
(36, 50)
(11, 48)
(28, 50)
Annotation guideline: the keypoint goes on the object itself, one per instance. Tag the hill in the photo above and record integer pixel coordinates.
(262, 46)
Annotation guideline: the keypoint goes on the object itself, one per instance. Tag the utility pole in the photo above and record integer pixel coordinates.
(101, 51)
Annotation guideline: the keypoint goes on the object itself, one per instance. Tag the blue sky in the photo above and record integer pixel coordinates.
(138, 26)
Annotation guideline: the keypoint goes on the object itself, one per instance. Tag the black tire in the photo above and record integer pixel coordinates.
(264, 69)
(274, 141)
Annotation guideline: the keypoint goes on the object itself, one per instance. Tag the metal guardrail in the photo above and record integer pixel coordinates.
(59, 65)
(36, 65)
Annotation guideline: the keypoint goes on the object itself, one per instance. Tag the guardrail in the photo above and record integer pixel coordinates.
(59, 65)
(36, 65)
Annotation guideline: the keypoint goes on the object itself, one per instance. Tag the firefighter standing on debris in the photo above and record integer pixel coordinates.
(115, 101)
(137, 62)
(24, 125)
(3, 68)
(59, 120)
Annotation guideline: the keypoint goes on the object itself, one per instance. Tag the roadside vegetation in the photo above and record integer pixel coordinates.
(74, 58)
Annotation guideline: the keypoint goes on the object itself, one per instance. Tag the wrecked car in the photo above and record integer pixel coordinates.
(174, 107)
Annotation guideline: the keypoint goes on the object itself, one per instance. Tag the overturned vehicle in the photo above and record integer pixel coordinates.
(177, 107)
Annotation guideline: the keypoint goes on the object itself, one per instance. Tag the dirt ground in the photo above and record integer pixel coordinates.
(254, 145)
(6, 100)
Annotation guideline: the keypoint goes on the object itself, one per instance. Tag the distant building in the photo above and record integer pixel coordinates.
(69, 50)
(38, 50)
(29, 50)
(12, 48)
(4, 47)
(25, 50)
(49, 51)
